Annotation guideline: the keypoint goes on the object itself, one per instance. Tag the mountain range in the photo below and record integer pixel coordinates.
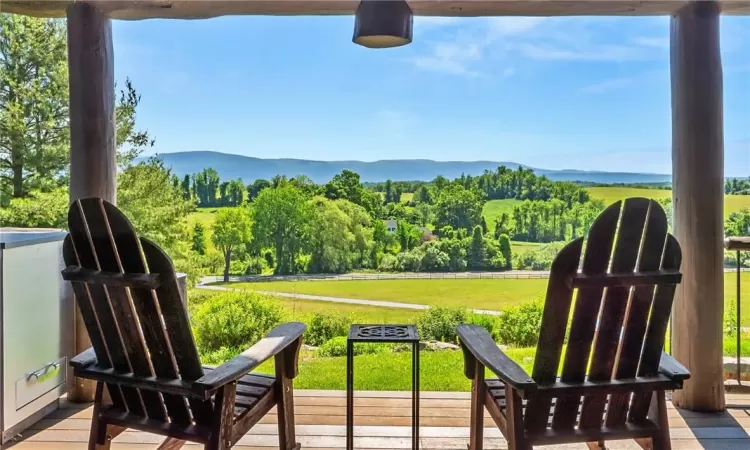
(231, 166)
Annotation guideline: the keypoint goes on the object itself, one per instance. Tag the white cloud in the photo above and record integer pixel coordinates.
(450, 58)
(656, 42)
(508, 26)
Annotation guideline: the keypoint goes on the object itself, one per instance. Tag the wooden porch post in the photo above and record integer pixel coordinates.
(698, 196)
(93, 166)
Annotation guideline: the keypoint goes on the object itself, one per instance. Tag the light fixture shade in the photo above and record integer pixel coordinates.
(383, 23)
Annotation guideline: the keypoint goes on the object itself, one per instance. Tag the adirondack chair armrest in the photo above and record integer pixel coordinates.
(84, 359)
(477, 345)
(283, 337)
(672, 369)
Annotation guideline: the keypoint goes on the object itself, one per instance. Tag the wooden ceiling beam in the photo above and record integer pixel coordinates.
(201, 9)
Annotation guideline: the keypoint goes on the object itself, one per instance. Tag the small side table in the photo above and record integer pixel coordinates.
(385, 334)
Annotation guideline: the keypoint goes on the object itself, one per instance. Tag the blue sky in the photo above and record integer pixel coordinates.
(584, 93)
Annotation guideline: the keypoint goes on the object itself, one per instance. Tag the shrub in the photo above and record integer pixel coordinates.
(234, 319)
(337, 347)
(519, 325)
(410, 261)
(324, 326)
(389, 263)
(490, 323)
(220, 356)
(439, 324)
(434, 259)
(237, 267)
(255, 266)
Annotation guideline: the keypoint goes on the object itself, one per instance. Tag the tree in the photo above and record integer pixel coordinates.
(33, 103)
(207, 184)
(199, 239)
(505, 249)
(388, 192)
(236, 192)
(331, 243)
(425, 213)
(156, 208)
(459, 208)
(475, 255)
(281, 217)
(254, 189)
(34, 118)
(231, 229)
(185, 186)
(408, 235)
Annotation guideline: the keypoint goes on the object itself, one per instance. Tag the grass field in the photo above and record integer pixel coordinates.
(732, 203)
(479, 294)
(494, 208)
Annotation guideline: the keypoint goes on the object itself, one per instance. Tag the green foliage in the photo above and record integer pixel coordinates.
(459, 208)
(38, 210)
(324, 326)
(255, 266)
(332, 241)
(199, 239)
(231, 231)
(519, 325)
(408, 235)
(34, 136)
(489, 322)
(254, 189)
(737, 186)
(440, 323)
(281, 219)
(234, 320)
(220, 356)
(476, 251)
(540, 259)
(505, 249)
(154, 205)
(337, 347)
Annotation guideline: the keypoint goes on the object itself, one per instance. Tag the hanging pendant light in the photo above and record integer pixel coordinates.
(383, 23)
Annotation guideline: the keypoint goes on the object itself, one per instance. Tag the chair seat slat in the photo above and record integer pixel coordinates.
(115, 279)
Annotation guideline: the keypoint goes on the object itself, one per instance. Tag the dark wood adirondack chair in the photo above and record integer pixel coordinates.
(614, 375)
(143, 350)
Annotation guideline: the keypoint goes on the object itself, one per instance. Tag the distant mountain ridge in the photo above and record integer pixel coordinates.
(231, 166)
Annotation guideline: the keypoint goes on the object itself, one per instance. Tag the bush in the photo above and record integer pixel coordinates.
(323, 327)
(255, 266)
(519, 325)
(220, 356)
(538, 259)
(237, 267)
(490, 323)
(410, 261)
(337, 347)
(389, 263)
(439, 324)
(434, 260)
(234, 319)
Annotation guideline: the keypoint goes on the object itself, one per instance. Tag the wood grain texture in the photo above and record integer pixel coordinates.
(552, 334)
(93, 166)
(196, 9)
(614, 304)
(697, 193)
(588, 300)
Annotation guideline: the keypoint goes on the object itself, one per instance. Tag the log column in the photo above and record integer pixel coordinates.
(698, 196)
(93, 166)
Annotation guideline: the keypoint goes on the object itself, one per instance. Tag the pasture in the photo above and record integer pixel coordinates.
(493, 294)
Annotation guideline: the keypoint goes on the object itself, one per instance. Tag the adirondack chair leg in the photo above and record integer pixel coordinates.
(286, 370)
(171, 444)
(221, 434)
(101, 434)
(478, 394)
(596, 445)
(658, 414)
(514, 418)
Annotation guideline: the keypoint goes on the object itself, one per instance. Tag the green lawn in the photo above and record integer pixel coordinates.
(205, 216)
(519, 247)
(475, 293)
(301, 310)
(494, 208)
(732, 203)
(439, 371)
(406, 197)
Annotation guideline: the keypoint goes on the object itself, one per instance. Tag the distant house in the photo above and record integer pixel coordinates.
(390, 225)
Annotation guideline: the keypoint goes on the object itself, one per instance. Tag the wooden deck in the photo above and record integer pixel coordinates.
(382, 421)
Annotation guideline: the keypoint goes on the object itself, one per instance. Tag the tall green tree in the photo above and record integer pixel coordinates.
(331, 242)
(506, 250)
(475, 254)
(231, 230)
(459, 208)
(34, 132)
(199, 239)
(281, 218)
(34, 117)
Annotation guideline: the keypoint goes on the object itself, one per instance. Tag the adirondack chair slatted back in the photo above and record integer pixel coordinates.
(616, 332)
(133, 330)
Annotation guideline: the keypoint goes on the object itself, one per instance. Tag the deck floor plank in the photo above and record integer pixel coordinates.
(383, 420)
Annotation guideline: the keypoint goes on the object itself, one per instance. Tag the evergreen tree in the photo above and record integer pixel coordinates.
(505, 249)
(199, 239)
(476, 256)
